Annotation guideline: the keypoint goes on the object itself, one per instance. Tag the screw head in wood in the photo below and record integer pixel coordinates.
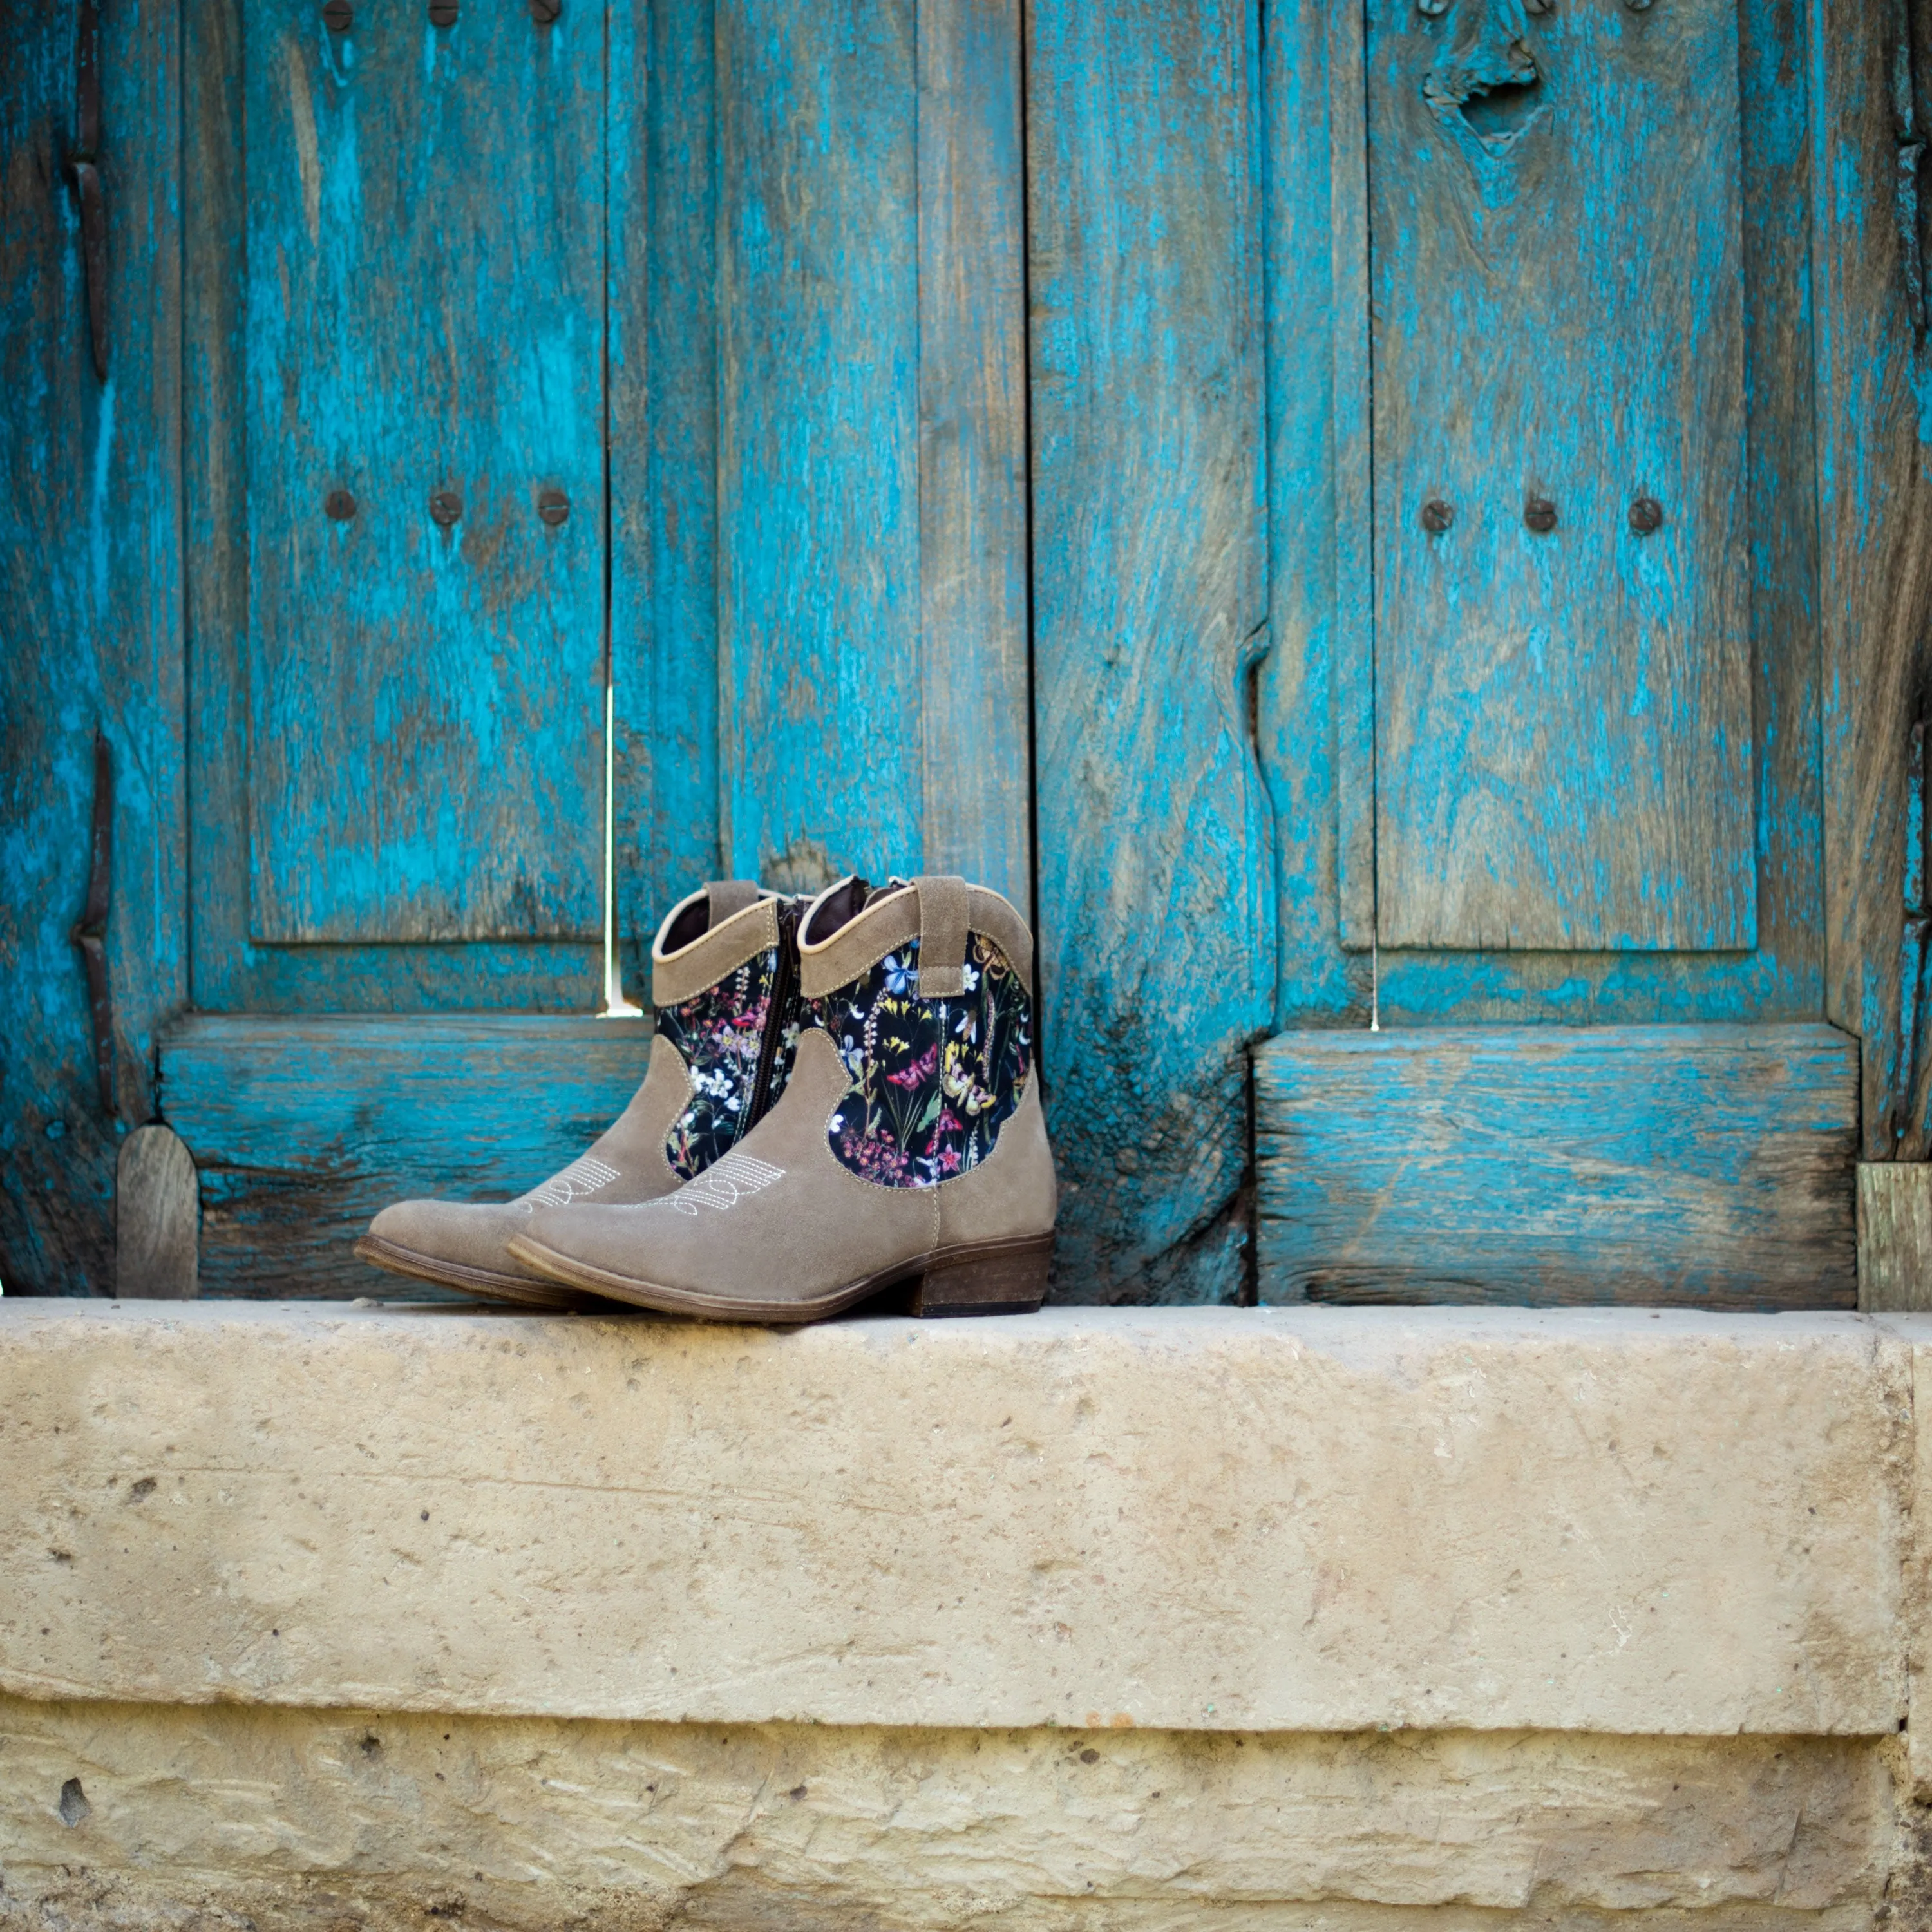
(338, 17)
(1646, 514)
(552, 505)
(1539, 514)
(544, 12)
(339, 506)
(442, 13)
(1437, 516)
(445, 507)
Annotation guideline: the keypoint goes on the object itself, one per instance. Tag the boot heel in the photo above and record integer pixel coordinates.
(1000, 1278)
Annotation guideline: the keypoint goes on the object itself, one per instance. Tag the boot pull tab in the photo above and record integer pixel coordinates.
(725, 897)
(943, 914)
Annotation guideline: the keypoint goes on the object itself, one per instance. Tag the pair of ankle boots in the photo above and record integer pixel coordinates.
(841, 1101)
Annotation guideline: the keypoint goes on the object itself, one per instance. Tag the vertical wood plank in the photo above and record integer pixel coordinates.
(90, 623)
(1894, 1237)
(1155, 892)
(1873, 399)
(663, 457)
(1348, 177)
(156, 1218)
(1315, 714)
(820, 687)
(972, 447)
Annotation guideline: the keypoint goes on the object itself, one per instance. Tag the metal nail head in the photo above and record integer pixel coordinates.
(1539, 514)
(338, 17)
(552, 505)
(445, 507)
(1646, 514)
(1437, 516)
(544, 12)
(339, 506)
(442, 13)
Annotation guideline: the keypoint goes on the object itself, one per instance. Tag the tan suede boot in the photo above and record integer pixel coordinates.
(724, 979)
(909, 1151)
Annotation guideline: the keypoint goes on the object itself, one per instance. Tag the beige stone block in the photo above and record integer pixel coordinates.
(1224, 1519)
(331, 1818)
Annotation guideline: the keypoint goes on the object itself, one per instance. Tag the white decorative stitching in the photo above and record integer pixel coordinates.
(724, 1183)
(578, 1182)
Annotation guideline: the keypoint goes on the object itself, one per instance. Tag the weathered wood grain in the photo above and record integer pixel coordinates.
(424, 314)
(1306, 687)
(1874, 388)
(1563, 720)
(1155, 894)
(156, 1218)
(302, 1129)
(663, 456)
(1710, 1165)
(1342, 75)
(818, 576)
(230, 970)
(90, 623)
(1895, 1237)
(975, 704)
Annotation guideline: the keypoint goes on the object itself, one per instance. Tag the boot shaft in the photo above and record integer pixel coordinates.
(725, 984)
(925, 989)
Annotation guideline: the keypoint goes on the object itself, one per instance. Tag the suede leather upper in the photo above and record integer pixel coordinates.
(465, 1245)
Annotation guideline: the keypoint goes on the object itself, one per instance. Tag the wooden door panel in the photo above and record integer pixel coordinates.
(303, 1128)
(1707, 1166)
(1563, 737)
(424, 359)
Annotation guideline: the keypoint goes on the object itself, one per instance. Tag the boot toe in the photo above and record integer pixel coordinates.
(458, 1244)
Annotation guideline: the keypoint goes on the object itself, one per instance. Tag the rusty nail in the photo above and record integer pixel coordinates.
(1540, 514)
(442, 13)
(445, 507)
(1646, 514)
(339, 505)
(1437, 516)
(544, 11)
(552, 505)
(338, 17)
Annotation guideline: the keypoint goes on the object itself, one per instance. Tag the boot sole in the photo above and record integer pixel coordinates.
(975, 1278)
(520, 1288)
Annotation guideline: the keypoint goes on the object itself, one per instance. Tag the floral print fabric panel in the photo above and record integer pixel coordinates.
(720, 1032)
(933, 1081)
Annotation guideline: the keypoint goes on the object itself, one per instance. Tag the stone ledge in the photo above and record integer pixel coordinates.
(1223, 1519)
(218, 1820)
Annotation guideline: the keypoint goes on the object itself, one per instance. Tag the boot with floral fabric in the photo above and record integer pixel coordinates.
(909, 1151)
(725, 982)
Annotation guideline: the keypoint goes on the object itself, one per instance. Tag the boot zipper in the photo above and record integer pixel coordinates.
(785, 978)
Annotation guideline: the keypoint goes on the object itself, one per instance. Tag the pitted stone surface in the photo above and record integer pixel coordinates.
(211, 1816)
(1214, 1520)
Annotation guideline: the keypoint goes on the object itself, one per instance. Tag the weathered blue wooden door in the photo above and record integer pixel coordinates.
(1405, 512)
(1559, 404)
